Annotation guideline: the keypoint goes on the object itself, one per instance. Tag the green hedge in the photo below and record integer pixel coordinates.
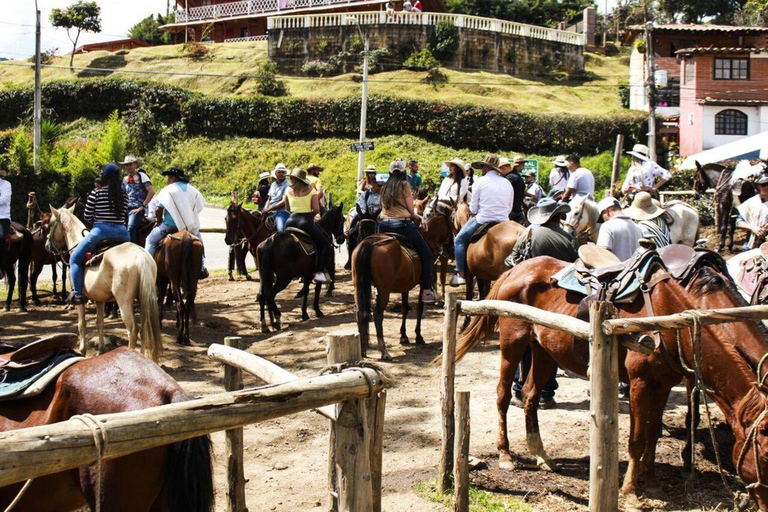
(465, 126)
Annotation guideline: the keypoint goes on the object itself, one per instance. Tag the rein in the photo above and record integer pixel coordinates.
(57, 251)
(585, 235)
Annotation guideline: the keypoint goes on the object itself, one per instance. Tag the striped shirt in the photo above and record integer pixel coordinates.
(99, 208)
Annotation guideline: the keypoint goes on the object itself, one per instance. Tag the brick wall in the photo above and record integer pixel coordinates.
(752, 89)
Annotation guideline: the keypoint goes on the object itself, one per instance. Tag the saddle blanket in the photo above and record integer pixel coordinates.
(569, 279)
(33, 381)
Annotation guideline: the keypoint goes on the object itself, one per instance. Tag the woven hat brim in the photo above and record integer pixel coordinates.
(635, 213)
(638, 155)
(536, 217)
(480, 165)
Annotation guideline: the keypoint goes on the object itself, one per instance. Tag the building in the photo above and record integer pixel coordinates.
(112, 46)
(246, 20)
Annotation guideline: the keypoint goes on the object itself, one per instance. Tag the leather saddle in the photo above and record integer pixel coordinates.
(302, 238)
(752, 277)
(26, 370)
(682, 261)
(481, 231)
(98, 253)
(16, 233)
(405, 245)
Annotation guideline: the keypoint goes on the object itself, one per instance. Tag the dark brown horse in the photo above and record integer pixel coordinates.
(718, 177)
(281, 259)
(179, 263)
(17, 256)
(42, 256)
(651, 378)
(173, 478)
(246, 228)
(379, 261)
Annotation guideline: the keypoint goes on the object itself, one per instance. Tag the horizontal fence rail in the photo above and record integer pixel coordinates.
(246, 7)
(37, 451)
(424, 18)
(684, 319)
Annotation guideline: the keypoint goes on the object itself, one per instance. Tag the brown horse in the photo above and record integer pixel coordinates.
(177, 477)
(17, 256)
(250, 228)
(651, 378)
(379, 261)
(179, 263)
(42, 256)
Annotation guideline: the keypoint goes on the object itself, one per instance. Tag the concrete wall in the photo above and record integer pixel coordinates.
(483, 50)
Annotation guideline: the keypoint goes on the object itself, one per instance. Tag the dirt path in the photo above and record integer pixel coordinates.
(286, 458)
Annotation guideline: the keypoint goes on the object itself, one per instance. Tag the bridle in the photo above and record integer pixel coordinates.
(585, 235)
(238, 227)
(751, 441)
(58, 251)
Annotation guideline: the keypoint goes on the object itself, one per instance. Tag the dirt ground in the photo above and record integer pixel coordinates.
(286, 459)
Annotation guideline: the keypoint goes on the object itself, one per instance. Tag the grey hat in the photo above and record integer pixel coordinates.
(762, 179)
(545, 209)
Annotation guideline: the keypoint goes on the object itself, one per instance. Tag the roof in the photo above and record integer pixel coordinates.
(697, 28)
(107, 44)
(726, 102)
(716, 49)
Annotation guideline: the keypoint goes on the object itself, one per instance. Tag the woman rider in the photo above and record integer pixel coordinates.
(397, 216)
(304, 204)
(453, 189)
(106, 208)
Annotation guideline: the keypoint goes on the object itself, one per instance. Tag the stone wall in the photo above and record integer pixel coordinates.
(478, 50)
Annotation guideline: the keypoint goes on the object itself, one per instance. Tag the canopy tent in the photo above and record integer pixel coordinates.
(748, 148)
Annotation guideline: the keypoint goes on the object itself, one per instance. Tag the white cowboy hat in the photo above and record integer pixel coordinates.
(370, 168)
(519, 159)
(130, 159)
(643, 208)
(561, 161)
(264, 175)
(279, 167)
(640, 151)
(458, 162)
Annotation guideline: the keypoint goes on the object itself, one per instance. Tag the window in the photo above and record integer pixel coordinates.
(690, 71)
(731, 122)
(731, 69)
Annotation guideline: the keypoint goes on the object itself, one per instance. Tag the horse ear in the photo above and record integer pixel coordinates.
(72, 208)
(54, 211)
(341, 206)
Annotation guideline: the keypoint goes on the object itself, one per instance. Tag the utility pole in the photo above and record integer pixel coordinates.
(650, 87)
(186, 19)
(363, 110)
(38, 93)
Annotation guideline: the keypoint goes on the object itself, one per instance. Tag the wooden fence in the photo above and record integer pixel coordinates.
(355, 447)
(607, 334)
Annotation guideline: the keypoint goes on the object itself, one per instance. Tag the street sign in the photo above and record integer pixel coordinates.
(532, 165)
(361, 146)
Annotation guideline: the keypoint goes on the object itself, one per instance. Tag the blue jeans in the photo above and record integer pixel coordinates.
(156, 236)
(409, 230)
(135, 220)
(281, 217)
(460, 243)
(101, 231)
(524, 367)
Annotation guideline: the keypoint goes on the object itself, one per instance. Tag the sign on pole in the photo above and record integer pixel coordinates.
(361, 146)
(532, 165)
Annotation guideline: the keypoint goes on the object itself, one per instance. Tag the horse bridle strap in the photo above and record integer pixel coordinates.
(751, 441)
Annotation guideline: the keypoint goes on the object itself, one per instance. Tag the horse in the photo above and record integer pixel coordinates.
(419, 205)
(179, 262)
(485, 258)
(125, 273)
(244, 227)
(581, 220)
(719, 177)
(172, 478)
(736, 388)
(281, 259)
(379, 261)
(18, 255)
(42, 256)
(367, 225)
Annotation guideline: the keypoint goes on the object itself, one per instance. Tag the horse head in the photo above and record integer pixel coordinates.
(232, 222)
(62, 223)
(751, 447)
(333, 222)
(581, 221)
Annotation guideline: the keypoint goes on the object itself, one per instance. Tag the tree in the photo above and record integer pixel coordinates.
(80, 16)
(149, 30)
(537, 12)
(696, 11)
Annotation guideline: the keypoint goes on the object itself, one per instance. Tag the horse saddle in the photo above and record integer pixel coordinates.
(302, 238)
(481, 231)
(752, 277)
(16, 234)
(98, 253)
(682, 261)
(405, 244)
(26, 371)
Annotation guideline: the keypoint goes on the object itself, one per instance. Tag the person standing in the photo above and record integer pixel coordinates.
(651, 219)
(533, 190)
(313, 175)
(106, 208)
(6, 191)
(581, 182)
(511, 171)
(544, 237)
(261, 195)
(178, 207)
(491, 202)
(753, 214)
(140, 191)
(558, 177)
(642, 174)
(618, 234)
(276, 198)
(413, 176)
(397, 216)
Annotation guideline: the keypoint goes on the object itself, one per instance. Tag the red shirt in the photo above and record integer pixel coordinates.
(417, 4)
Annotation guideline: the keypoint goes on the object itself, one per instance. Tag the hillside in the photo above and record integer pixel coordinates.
(598, 95)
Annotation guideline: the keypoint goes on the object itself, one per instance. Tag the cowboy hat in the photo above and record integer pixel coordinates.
(607, 202)
(264, 175)
(545, 209)
(530, 173)
(561, 161)
(640, 151)
(130, 159)
(279, 167)
(458, 162)
(370, 168)
(762, 179)
(299, 174)
(173, 171)
(518, 159)
(504, 162)
(314, 166)
(490, 160)
(643, 208)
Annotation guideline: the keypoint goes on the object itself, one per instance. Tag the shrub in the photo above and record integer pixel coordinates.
(319, 68)
(640, 45)
(624, 94)
(376, 59)
(435, 78)
(421, 60)
(267, 81)
(444, 41)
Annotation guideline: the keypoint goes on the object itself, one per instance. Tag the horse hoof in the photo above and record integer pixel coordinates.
(420, 340)
(319, 314)
(248, 278)
(546, 465)
(304, 318)
(386, 357)
(265, 330)
(231, 278)
(404, 341)
(37, 302)
(183, 342)
(22, 309)
(8, 307)
(506, 463)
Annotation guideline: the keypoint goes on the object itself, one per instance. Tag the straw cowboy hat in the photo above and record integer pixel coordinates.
(130, 159)
(561, 161)
(643, 208)
(545, 209)
(314, 166)
(458, 162)
(640, 151)
(370, 168)
(264, 175)
(519, 159)
(299, 174)
(279, 167)
(490, 160)
(504, 162)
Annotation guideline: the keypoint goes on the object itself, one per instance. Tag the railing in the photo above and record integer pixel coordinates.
(246, 7)
(247, 38)
(424, 18)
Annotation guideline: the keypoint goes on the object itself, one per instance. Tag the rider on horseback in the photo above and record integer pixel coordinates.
(140, 191)
(5, 218)
(106, 208)
(581, 182)
(753, 214)
(369, 204)
(276, 202)
(453, 189)
(178, 207)
(558, 177)
(643, 173)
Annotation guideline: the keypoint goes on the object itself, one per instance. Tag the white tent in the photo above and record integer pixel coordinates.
(748, 148)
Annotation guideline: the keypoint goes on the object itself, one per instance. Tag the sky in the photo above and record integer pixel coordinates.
(17, 24)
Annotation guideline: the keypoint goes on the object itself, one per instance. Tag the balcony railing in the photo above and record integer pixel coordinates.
(246, 7)
(424, 18)
(246, 38)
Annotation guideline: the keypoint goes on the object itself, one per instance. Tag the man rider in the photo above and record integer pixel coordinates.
(511, 171)
(276, 202)
(370, 204)
(140, 191)
(753, 214)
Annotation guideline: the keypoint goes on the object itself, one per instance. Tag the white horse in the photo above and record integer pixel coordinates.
(126, 272)
(685, 223)
(581, 221)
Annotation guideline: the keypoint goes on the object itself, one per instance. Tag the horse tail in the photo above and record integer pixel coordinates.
(362, 277)
(188, 482)
(149, 310)
(480, 327)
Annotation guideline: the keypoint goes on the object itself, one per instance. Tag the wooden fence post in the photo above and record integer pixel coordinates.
(376, 408)
(604, 413)
(461, 466)
(31, 210)
(616, 161)
(233, 381)
(349, 455)
(447, 377)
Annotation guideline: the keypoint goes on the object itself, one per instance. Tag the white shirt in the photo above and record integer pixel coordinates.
(5, 199)
(184, 206)
(582, 182)
(644, 175)
(534, 189)
(491, 198)
(556, 180)
(620, 236)
(448, 190)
